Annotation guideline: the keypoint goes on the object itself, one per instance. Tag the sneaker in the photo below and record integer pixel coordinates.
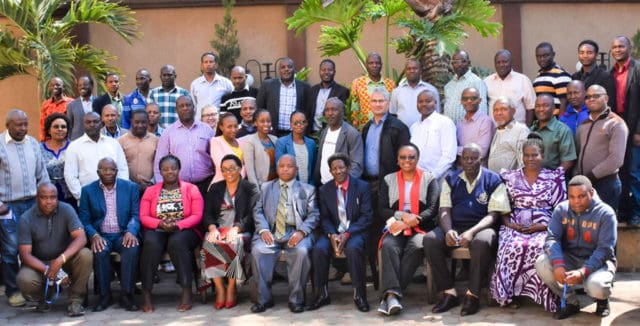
(168, 267)
(75, 309)
(384, 307)
(568, 311)
(16, 300)
(394, 305)
(602, 308)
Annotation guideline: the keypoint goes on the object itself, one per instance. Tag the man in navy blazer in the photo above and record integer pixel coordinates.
(345, 216)
(296, 98)
(109, 211)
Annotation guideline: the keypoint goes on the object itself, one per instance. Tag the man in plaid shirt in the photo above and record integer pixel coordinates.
(166, 95)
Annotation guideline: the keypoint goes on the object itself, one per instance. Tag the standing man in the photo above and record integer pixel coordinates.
(601, 142)
(337, 137)
(286, 216)
(345, 216)
(210, 87)
(462, 79)
(187, 139)
(590, 73)
(362, 88)
(327, 88)
(52, 241)
(247, 126)
(506, 147)
(506, 82)
(434, 135)
(166, 95)
(154, 119)
(112, 96)
(476, 126)
(569, 260)
(404, 98)
(576, 111)
(282, 96)
(56, 103)
(552, 79)
(109, 118)
(625, 100)
(22, 169)
(232, 102)
(139, 146)
(84, 153)
(109, 211)
(559, 146)
(82, 105)
(138, 98)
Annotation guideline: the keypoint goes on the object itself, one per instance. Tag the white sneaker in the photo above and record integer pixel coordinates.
(384, 307)
(168, 267)
(16, 300)
(394, 305)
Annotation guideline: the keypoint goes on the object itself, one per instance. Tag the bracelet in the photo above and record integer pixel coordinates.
(64, 258)
(46, 269)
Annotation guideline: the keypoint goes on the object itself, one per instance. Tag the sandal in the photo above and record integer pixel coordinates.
(184, 307)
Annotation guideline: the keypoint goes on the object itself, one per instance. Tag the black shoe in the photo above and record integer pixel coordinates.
(568, 311)
(322, 299)
(296, 308)
(447, 302)
(258, 307)
(361, 303)
(103, 304)
(602, 308)
(128, 302)
(156, 277)
(470, 306)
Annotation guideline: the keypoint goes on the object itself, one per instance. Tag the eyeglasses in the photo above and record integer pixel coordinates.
(107, 170)
(209, 115)
(299, 123)
(594, 96)
(469, 98)
(59, 126)
(229, 170)
(407, 157)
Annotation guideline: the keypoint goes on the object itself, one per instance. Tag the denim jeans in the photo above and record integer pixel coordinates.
(634, 181)
(609, 190)
(9, 243)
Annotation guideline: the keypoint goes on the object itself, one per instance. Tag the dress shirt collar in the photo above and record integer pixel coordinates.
(116, 98)
(9, 139)
(345, 184)
(477, 115)
(289, 183)
(292, 85)
(382, 120)
(552, 125)
(86, 138)
(495, 76)
(620, 68)
(571, 110)
(405, 83)
(40, 213)
(472, 184)
(465, 76)
(103, 187)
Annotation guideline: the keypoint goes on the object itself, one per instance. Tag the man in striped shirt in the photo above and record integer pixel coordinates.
(552, 79)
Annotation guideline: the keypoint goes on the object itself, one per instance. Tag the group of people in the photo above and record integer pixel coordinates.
(226, 177)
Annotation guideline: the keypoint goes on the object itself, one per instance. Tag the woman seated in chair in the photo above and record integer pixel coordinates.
(534, 191)
(228, 220)
(409, 199)
(171, 213)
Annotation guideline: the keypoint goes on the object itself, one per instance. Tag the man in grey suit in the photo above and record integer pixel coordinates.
(286, 215)
(337, 137)
(282, 96)
(82, 105)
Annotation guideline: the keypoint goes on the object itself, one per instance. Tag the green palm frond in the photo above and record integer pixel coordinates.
(476, 14)
(22, 14)
(388, 8)
(96, 62)
(338, 12)
(117, 17)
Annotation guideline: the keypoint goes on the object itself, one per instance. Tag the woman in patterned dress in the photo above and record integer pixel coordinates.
(56, 130)
(534, 192)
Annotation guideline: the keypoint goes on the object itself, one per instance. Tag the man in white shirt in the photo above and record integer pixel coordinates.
(210, 87)
(403, 98)
(435, 136)
(84, 153)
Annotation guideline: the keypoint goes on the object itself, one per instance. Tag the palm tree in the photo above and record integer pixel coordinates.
(39, 42)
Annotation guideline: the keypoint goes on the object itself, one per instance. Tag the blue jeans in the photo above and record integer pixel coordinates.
(128, 264)
(9, 243)
(634, 180)
(609, 190)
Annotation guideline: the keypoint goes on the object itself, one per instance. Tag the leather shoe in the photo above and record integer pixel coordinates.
(602, 308)
(296, 308)
(103, 303)
(361, 303)
(568, 311)
(128, 302)
(258, 307)
(447, 302)
(470, 306)
(321, 300)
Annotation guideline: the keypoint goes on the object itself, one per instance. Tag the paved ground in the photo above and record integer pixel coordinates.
(625, 311)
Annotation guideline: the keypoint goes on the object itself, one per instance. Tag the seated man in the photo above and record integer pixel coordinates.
(471, 201)
(51, 240)
(109, 211)
(587, 259)
(286, 215)
(344, 231)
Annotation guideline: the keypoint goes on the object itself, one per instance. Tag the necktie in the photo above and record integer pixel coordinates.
(342, 211)
(281, 215)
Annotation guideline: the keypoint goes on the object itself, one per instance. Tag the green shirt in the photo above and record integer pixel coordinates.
(559, 145)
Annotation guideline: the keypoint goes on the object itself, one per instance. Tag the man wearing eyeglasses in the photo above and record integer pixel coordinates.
(601, 142)
(475, 126)
(463, 78)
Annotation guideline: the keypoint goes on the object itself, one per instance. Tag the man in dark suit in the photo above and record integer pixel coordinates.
(281, 96)
(112, 96)
(345, 215)
(326, 89)
(109, 211)
(285, 216)
(82, 105)
(626, 103)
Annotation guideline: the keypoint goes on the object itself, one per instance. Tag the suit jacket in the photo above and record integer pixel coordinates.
(269, 98)
(245, 203)
(394, 134)
(93, 207)
(305, 211)
(284, 145)
(632, 103)
(100, 101)
(337, 90)
(257, 162)
(75, 113)
(359, 209)
(350, 143)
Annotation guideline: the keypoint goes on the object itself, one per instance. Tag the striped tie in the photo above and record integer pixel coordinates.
(342, 211)
(281, 215)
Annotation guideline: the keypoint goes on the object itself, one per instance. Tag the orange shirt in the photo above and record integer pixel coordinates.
(361, 94)
(50, 107)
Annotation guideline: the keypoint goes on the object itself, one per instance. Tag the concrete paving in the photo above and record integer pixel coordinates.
(625, 306)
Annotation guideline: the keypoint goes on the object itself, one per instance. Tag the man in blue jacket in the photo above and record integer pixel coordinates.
(580, 249)
(109, 211)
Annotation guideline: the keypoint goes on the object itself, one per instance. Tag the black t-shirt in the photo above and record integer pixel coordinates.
(232, 101)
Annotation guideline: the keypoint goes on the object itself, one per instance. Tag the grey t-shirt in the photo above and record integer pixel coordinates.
(48, 236)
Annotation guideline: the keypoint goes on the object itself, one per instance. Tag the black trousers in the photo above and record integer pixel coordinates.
(356, 254)
(180, 245)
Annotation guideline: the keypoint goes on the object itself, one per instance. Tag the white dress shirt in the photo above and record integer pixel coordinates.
(204, 92)
(404, 101)
(516, 87)
(435, 136)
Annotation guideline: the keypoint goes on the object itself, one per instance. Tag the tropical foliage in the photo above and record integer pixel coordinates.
(38, 40)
